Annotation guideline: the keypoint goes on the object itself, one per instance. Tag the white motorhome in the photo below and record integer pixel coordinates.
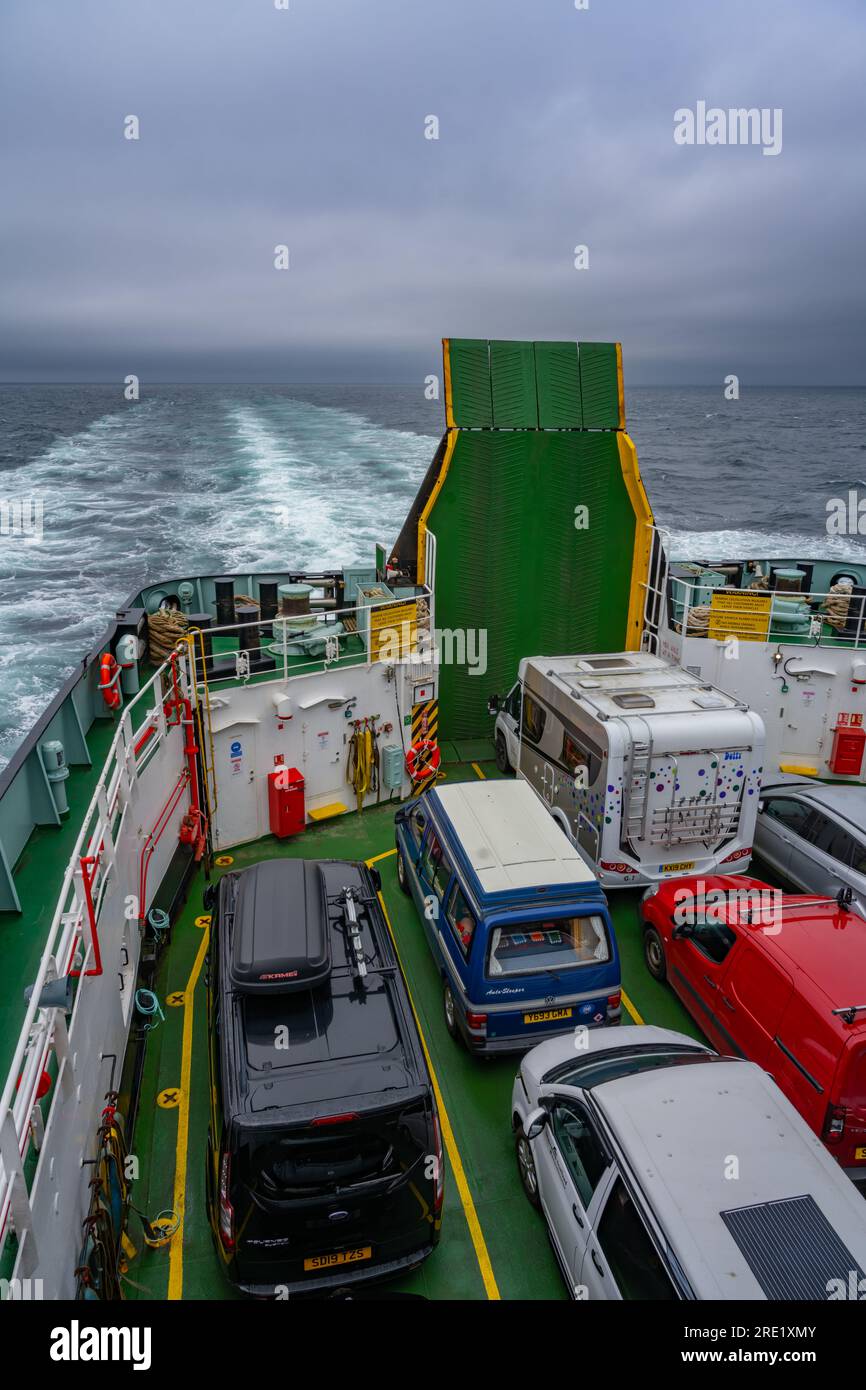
(650, 772)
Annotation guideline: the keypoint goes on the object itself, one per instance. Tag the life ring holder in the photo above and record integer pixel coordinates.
(423, 759)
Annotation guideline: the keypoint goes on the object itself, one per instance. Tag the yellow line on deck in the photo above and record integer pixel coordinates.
(631, 1008)
(491, 1288)
(175, 1254)
(482, 775)
(376, 857)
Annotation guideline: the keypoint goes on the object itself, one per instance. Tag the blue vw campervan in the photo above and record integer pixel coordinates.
(517, 922)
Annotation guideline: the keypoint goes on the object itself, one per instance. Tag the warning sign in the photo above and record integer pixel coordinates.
(742, 613)
(393, 630)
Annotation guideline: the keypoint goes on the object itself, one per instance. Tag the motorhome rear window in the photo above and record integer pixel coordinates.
(558, 944)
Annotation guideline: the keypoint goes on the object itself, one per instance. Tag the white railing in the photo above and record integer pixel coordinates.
(836, 617)
(77, 944)
(329, 638)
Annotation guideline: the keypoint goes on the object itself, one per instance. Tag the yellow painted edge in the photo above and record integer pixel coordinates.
(620, 387)
(799, 768)
(491, 1288)
(642, 538)
(386, 854)
(482, 775)
(431, 501)
(175, 1254)
(636, 1018)
(446, 362)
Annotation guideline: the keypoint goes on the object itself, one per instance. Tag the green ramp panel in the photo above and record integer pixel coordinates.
(471, 399)
(512, 373)
(512, 565)
(558, 383)
(599, 386)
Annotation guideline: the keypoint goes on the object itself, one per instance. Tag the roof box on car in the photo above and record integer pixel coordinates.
(281, 940)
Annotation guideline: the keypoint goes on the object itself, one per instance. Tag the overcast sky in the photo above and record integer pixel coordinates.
(261, 127)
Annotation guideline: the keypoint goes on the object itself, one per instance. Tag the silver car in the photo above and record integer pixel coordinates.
(814, 835)
(665, 1171)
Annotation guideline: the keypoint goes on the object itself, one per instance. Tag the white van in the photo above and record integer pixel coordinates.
(651, 772)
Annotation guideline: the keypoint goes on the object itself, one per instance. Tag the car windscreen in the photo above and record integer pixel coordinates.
(557, 943)
(334, 1154)
(610, 1066)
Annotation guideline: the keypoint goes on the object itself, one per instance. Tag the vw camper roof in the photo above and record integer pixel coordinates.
(507, 843)
(620, 683)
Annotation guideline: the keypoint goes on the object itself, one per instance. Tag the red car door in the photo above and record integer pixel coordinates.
(754, 993)
(699, 956)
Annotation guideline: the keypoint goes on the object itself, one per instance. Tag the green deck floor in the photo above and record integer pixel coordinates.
(476, 1095)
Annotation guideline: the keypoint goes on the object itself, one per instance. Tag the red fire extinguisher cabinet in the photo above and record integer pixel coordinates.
(846, 759)
(286, 811)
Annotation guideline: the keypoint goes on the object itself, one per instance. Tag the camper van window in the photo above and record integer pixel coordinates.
(574, 756)
(461, 919)
(533, 718)
(435, 865)
(512, 703)
(559, 944)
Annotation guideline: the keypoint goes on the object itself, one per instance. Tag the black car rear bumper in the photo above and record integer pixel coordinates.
(317, 1285)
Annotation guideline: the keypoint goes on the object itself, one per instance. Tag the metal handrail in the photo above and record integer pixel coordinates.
(40, 1035)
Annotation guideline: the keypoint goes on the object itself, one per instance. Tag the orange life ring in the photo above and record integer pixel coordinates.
(110, 688)
(423, 759)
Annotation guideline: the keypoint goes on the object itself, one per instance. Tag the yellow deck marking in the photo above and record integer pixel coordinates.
(631, 1008)
(223, 860)
(169, 1099)
(490, 1286)
(482, 775)
(376, 857)
(176, 999)
(203, 921)
(175, 1254)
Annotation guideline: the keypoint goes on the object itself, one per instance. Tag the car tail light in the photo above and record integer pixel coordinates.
(834, 1123)
(226, 1210)
(439, 1188)
(737, 854)
(477, 1022)
(615, 868)
(614, 1001)
(333, 1120)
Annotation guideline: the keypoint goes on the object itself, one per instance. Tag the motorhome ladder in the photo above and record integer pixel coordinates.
(638, 789)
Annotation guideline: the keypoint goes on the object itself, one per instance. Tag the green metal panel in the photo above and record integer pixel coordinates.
(599, 387)
(511, 564)
(471, 400)
(558, 383)
(512, 372)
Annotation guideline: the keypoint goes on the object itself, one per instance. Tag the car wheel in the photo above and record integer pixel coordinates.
(526, 1167)
(654, 954)
(449, 1008)
(502, 754)
(401, 874)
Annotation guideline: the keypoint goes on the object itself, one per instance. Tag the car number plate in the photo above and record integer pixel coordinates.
(339, 1257)
(860, 1153)
(547, 1015)
(679, 868)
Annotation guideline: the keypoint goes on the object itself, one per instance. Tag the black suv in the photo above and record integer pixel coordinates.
(324, 1162)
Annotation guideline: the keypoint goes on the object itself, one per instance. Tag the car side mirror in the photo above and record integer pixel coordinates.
(760, 808)
(493, 704)
(208, 897)
(534, 1123)
(376, 879)
(685, 929)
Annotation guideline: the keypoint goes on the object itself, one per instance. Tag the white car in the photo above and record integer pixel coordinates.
(665, 1171)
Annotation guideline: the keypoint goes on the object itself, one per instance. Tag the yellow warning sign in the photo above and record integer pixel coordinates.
(742, 613)
(393, 630)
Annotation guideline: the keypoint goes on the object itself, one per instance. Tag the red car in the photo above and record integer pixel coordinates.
(778, 978)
